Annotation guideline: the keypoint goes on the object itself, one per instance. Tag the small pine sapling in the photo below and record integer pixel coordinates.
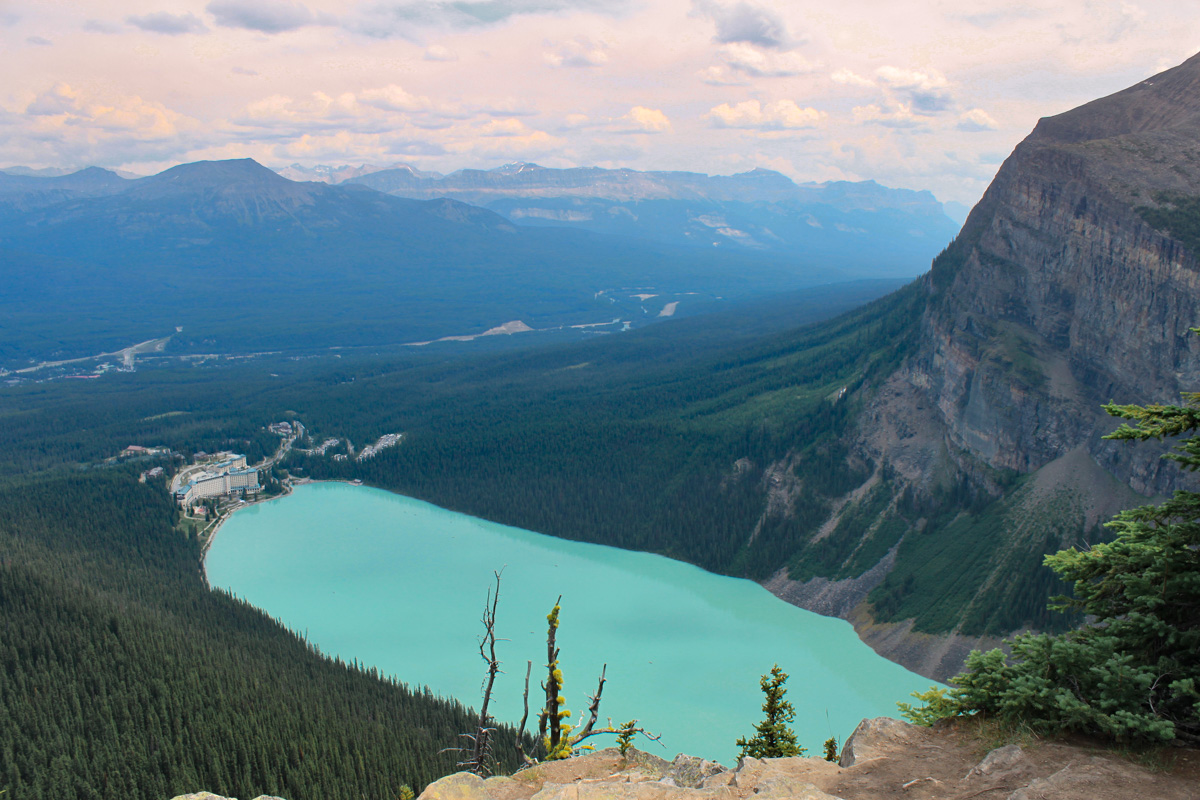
(625, 736)
(773, 738)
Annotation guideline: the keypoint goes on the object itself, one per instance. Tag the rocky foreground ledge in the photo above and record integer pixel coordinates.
(884, 759)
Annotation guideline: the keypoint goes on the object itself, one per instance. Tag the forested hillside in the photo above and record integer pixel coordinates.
(128, 677)
(125, 676)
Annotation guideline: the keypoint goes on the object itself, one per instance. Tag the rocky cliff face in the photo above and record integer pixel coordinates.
(1057, 296)
(1060, 296)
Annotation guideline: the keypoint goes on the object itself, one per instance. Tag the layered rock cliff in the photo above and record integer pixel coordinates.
(1073, 283)
(1059, 295)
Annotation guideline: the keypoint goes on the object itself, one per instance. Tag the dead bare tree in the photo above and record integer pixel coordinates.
(481, 758)
(556, 739)
(526, 758)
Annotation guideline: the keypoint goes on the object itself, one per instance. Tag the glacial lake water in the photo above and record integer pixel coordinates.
(400, 584)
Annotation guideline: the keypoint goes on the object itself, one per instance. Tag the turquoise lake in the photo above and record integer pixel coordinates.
(400, 584)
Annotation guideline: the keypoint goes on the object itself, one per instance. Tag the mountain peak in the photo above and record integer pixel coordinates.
(1166, 101)
(202, 174)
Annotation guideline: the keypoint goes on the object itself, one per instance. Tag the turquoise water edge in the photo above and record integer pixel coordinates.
(400, 584)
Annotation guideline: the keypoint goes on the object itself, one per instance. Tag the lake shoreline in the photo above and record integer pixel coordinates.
(217, 523)
(357, 570)
(936, 657)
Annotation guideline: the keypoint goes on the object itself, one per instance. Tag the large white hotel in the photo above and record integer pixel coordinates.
(222, 478)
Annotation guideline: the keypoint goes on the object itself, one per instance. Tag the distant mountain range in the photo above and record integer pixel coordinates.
(862, 228)
(243, 258)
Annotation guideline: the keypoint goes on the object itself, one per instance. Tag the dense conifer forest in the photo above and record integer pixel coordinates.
(125, 676)
(128, 676)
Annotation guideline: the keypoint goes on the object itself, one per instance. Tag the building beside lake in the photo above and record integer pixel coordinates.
(221, 479)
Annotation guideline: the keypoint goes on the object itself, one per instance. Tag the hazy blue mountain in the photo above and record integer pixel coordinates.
(326, 173)
(37, 172)
(862, 228)
(23, 192)
(243, 258)
(956, 211)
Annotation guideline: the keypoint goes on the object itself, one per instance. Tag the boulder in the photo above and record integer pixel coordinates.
(868, 738)
(692, 772)
(1003, 765)
(459, 786)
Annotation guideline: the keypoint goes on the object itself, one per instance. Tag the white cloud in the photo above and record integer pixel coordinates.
(100, 26)
(647, 120)
(775, 116)
(505, 139)
(851, 78)
(286, 116)
(436, 52)
(578, 52)
(745, 23)
(167, 23)
(759, 63)
(926, 91)
(898, 116)
(264, 16)
(976, 120)
(76, 126)
(374, 110)
(409, 18)
(393, 98)
(504, 127)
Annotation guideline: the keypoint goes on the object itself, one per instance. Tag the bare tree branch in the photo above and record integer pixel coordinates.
(594, 708)
(481, 755)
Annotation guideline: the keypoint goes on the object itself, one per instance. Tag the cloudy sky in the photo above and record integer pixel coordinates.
(924, 94)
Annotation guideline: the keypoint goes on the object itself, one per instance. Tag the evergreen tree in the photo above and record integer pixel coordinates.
(772, 737)
(1133, 672)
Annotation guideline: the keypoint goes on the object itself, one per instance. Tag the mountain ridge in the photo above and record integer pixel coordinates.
(1056, 297)
(840, 223)
(364, 266)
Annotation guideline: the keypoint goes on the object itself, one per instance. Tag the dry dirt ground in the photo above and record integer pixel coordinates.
(884, 760)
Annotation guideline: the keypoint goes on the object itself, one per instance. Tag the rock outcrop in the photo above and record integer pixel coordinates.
(883, 759)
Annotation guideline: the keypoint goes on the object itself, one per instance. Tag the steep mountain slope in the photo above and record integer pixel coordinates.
(1057, 296)
(856, 226)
